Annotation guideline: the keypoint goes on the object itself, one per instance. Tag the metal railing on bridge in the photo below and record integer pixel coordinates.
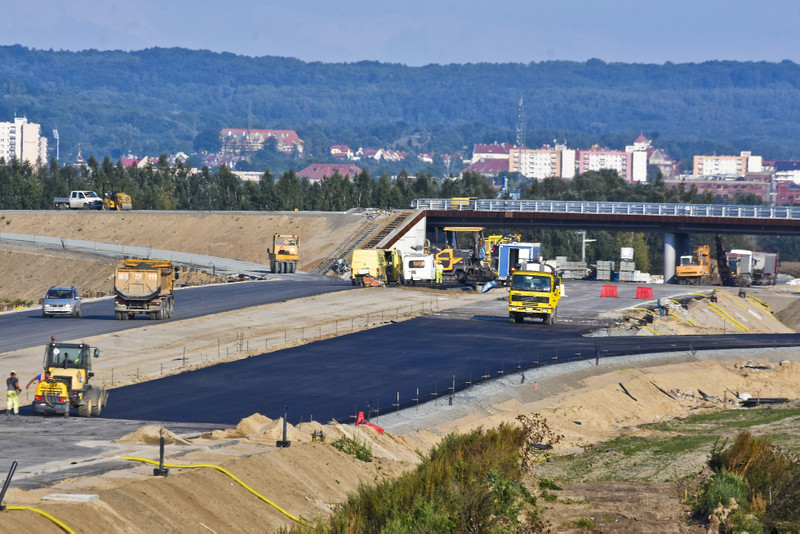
(609, 208)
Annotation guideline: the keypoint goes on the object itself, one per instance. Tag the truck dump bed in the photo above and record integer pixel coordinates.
(143, 279)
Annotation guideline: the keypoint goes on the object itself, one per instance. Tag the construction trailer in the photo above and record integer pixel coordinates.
(514, 256)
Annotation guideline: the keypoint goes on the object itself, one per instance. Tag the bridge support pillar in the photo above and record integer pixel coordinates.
(683, 245)
(669, 258)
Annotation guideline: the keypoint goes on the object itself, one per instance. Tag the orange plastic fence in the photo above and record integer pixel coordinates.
(608, 291)
(644, 293)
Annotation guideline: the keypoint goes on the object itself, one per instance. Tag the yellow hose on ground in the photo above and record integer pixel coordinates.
(759, 302)
(730, 319)
(225, 471)
(646, 310)
(61, 525)
(653, 331)
(684, 318)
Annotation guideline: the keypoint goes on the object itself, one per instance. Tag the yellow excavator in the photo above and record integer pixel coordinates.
(696, 270)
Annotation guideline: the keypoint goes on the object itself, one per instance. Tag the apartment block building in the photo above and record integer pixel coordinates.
(542, 162)
(22, 140)
(630, 165)
(741, 165)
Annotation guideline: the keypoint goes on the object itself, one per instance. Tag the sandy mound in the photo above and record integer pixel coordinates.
(724, 312)
(151, 435)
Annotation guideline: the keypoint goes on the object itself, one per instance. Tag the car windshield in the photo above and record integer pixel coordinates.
(530, 283)
(91, 194)
(59, 294)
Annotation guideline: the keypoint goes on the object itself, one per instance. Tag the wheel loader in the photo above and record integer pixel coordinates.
(70, 367)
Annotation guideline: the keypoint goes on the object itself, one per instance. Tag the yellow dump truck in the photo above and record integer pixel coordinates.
(69, 384)
(144, 287)
(284, 253)
(534, 294)
(382, 265)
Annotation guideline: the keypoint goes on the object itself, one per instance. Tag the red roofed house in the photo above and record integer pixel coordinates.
(491, 151)
(488, 167)
(242, 140)
(318, 171)
(341, 152)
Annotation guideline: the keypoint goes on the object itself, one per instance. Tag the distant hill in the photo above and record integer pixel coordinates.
(164, 100)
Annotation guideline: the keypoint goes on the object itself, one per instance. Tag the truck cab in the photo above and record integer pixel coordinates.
(534, 294)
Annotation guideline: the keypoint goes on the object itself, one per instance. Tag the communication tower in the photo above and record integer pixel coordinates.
(521, 124)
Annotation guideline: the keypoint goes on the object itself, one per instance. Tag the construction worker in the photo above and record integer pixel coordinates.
(41, 377)
(13, 394)
(439, 272)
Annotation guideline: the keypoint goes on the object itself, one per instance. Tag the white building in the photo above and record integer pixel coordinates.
(744, 163)
(540, 163)
(22, 140)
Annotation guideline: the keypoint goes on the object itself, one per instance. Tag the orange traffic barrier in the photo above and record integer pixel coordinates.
(608, 291)
(361, 420)
(644, 293)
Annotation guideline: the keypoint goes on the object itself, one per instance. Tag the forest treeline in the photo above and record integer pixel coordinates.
(160, 186)
(161, 100)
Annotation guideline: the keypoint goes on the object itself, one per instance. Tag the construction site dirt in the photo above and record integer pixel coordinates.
(310, 477)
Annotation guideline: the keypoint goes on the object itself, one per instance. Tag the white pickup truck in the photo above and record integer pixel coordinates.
(86, 200)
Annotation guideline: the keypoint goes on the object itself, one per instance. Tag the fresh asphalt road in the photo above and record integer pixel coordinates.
(365, 371)
(28, 328)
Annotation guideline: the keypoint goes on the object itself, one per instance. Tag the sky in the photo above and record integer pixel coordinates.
(420, 32)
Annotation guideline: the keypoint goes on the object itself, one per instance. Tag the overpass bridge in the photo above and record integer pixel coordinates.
(675, 221)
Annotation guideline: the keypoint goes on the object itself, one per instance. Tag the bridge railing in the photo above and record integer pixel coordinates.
(610, 208)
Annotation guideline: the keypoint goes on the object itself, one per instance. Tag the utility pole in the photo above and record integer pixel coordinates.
(582, 233)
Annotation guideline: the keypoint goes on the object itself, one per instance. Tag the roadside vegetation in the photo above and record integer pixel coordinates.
(752, 485)
(496, 480)
(755, 487)
(468, 483)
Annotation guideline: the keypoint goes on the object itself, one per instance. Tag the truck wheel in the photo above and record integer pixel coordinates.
(85, 409)
(293, 267)
(157, 315)
(86, 206)
(105, 206)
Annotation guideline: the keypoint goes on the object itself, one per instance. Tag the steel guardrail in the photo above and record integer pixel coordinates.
(610, 208)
